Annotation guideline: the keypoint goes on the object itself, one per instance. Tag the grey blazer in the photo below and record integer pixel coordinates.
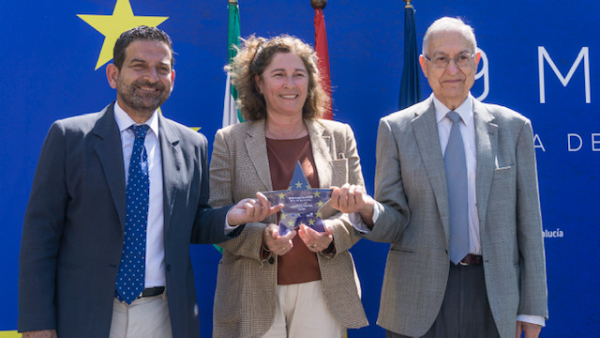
(411, 187)
(73, 228)
(246, 284)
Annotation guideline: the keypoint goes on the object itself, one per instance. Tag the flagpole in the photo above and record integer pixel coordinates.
(408, 5)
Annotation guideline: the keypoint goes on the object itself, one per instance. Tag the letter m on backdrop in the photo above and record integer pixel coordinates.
(583, 54)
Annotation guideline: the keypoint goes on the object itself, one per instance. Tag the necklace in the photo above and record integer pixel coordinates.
(284, 134)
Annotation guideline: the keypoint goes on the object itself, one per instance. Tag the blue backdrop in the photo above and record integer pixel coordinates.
(540, 59)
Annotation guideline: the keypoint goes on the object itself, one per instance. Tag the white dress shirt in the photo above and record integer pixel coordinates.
(155, 250)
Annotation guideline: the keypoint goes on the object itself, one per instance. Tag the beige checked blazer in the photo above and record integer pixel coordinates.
(246, 285)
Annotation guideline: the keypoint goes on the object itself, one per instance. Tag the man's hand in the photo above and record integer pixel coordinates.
(251, 210)
(278, 245)
(40, 334)
(351, 198)
(530, 330)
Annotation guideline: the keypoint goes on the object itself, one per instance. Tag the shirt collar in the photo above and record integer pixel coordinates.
(465, 110)
(124, 121)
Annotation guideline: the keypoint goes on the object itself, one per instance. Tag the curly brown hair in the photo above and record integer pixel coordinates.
(254, 57)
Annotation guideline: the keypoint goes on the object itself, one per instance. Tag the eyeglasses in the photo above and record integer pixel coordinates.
(461, 60)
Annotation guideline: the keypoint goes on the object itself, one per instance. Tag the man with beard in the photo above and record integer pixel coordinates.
(116, 199)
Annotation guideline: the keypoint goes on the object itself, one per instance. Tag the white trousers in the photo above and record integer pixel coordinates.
(144, 318)
(301, 312)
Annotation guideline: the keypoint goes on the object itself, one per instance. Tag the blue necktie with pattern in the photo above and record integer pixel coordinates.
(456, 175)
(130, 279)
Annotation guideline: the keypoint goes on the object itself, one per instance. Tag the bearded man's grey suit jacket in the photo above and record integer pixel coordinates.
(411, 187)
(73, 229)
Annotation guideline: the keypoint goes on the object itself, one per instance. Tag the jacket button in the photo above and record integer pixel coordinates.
(168, 267)
(271, 260)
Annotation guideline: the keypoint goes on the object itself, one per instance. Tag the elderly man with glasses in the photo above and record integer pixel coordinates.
(456, 195)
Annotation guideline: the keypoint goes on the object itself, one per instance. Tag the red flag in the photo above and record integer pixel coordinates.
(323, 54)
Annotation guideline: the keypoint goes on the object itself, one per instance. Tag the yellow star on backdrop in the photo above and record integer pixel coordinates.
(112, 26)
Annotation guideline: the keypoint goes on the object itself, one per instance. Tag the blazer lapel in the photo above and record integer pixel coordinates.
(426, 134)
(110, 152)
(486, 139)
(321, 147)
(256, 145)
(172, 158)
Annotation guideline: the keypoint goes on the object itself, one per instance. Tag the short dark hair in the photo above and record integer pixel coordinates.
(140, 33)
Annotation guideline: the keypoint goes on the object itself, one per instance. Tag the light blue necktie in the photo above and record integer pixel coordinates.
(130, 279)
(456, 175)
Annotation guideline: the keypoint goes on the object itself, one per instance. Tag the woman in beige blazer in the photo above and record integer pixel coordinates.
(303, 283)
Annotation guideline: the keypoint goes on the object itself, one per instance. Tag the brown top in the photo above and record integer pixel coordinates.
(299, 265)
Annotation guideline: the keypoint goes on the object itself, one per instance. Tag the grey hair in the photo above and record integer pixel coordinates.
(448, 24)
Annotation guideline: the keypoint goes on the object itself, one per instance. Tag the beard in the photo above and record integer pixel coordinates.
(139, 100)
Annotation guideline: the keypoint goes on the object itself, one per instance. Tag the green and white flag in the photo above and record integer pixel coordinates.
(231, 113)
